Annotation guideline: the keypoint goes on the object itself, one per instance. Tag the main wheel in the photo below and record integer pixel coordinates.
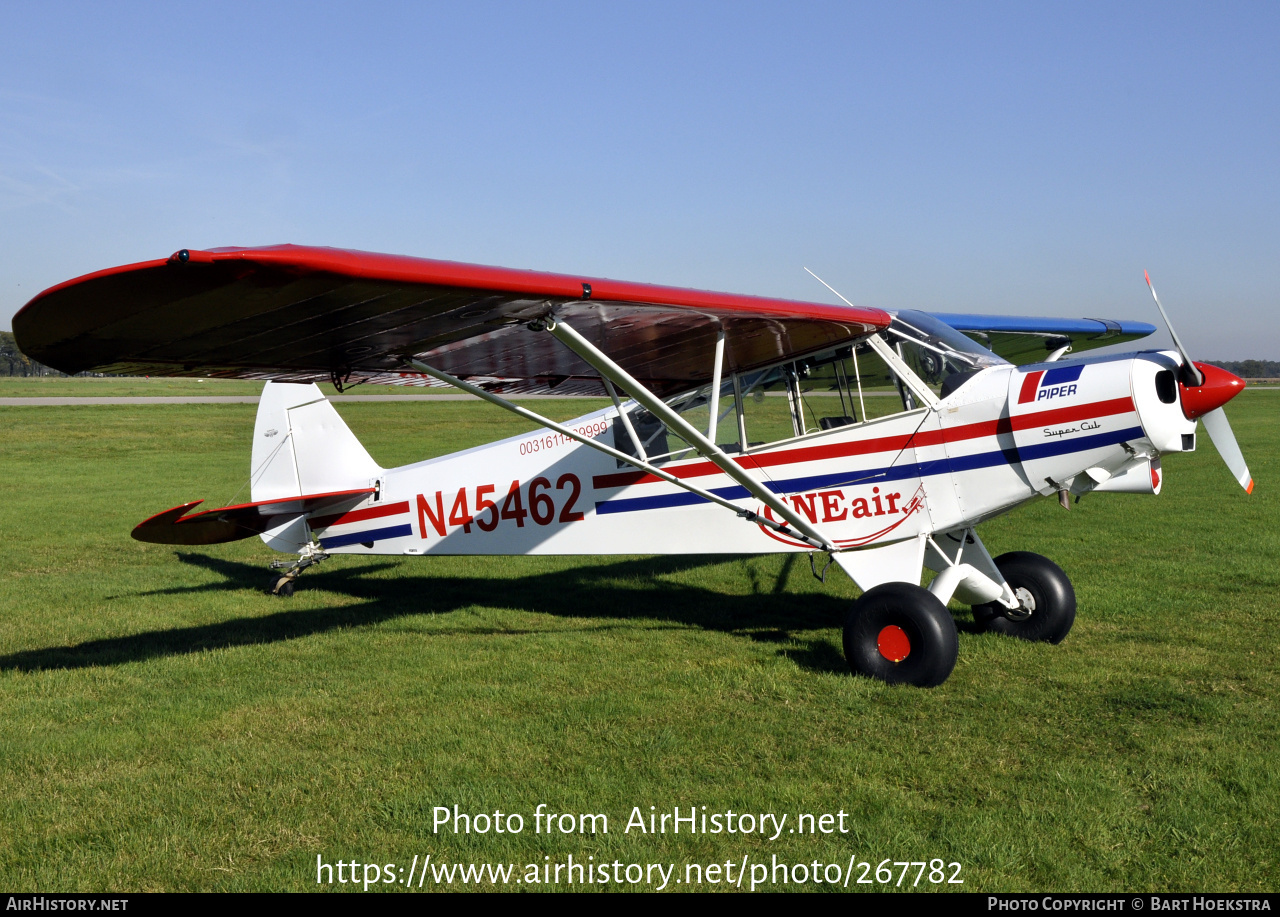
(902, 634)
(1047, 599)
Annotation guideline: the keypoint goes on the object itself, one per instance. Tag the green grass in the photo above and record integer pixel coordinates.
(168, 726)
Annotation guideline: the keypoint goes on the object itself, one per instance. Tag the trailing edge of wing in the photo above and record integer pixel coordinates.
(1029, 339)
(300, 314)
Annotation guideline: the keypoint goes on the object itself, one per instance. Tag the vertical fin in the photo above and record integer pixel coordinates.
(301, 446)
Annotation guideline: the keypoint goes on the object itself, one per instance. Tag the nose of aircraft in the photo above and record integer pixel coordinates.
(1218, 388)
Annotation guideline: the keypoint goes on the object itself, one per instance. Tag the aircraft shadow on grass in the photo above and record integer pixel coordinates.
(605, 592)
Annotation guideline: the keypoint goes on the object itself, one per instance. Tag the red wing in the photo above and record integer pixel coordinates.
(311, 314)
(231, 523)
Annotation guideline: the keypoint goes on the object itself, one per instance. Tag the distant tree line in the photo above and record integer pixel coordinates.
(13, 362)
(1250, 369)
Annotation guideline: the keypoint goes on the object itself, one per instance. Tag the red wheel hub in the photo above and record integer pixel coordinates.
(893, 643)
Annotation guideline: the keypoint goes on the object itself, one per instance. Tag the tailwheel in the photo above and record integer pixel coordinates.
(281, 584)
(1047, 603)
(901, 634)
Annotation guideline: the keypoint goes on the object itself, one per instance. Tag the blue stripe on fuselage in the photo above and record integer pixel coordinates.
(341, 541)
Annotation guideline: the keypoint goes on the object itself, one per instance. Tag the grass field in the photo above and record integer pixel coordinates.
(166, 725)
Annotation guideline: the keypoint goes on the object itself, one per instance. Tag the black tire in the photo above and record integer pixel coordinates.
(281, 586)
(1048, 599)
(924, 623)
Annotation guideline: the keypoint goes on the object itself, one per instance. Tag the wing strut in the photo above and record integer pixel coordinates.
(714, 402)
(601, 363)
(626, 421)
(503, 403)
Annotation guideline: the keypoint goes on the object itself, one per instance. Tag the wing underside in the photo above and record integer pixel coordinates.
(300, 314)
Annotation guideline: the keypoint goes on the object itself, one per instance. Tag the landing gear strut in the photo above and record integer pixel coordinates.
(282, 583)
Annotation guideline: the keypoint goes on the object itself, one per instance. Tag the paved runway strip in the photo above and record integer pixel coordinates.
(242, 399)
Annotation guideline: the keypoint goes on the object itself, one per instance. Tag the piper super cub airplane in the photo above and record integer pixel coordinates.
(749, 425)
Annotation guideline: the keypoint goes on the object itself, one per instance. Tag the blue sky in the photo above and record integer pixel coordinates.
(1026, 158)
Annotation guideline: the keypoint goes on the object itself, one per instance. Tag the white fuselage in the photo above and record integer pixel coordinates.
(1007, 435)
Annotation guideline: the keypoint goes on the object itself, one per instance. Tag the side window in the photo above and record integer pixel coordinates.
(836, 388)
(769, 405)
(694, 407)
(862, 382)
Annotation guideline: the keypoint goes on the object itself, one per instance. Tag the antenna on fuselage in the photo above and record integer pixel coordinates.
(831, 288)
(853, 351)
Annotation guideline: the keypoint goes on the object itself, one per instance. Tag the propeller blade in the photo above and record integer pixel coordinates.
(1219, 430)
(1193, 375)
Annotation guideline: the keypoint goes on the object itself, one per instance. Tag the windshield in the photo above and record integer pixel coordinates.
(942, 357)
(937, 336)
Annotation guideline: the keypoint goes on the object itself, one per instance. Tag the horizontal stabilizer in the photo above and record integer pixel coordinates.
(231, 523)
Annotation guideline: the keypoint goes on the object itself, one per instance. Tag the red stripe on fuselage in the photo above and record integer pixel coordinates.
(1029, 386)
(360, 515)
(881, 444)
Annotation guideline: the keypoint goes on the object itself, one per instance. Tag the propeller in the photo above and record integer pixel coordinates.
(1215, 424)
(1204, 390)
